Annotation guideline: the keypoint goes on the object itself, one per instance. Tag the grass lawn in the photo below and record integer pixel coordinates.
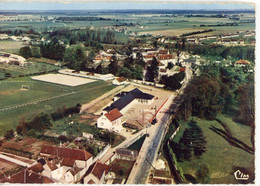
(138, 144)
(220, 156)
(122, 168)
(34, 67)
(10, 118)
(76, 128)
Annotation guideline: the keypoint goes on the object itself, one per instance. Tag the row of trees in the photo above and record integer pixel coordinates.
(44, 121)
(80, 36)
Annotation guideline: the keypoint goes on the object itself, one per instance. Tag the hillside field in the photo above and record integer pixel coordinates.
(220, 157)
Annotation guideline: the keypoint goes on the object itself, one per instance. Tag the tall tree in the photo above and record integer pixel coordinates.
(113, 66)
(152, 71)
(25, 52)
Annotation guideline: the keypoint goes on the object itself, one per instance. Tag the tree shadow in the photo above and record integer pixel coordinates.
(190, 178)
(232, 140)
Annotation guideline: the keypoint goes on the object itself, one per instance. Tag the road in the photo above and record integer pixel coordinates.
(151, 145)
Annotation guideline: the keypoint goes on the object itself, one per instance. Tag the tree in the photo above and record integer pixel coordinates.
(139, 59)
(9, 134)
(152, 71)
(170, 65)
(7, 75)
(203, 174)
(25, 52)
(19, 129)
(36, 52)
(113, 66)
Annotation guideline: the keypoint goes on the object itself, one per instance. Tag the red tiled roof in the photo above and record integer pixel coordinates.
(26, 176)
(182, 69)
(113, 114)
(163, 70)
(68, 162)
(166, 56)
(163, 52)
(120, 79)
(99, 168)
(63, 152)
(52, 166)
(91, 182)
(75, 170)
(12, 145)
(36, 168)
(242, 62)
(149, 56)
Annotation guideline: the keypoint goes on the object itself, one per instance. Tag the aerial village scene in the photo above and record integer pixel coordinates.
(127, 93)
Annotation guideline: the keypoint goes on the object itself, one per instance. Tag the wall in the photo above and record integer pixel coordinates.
(102, 153)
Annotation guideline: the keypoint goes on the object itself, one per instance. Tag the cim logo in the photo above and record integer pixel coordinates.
(240, 175)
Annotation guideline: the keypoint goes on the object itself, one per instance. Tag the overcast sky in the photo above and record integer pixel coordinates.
(66, 5)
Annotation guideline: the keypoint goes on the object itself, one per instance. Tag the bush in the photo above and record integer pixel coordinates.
(9, 134)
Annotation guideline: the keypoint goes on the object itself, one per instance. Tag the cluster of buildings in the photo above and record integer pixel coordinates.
(112, 116)
(24, 39)
(105, 56)
(57, 164)
(12, 59)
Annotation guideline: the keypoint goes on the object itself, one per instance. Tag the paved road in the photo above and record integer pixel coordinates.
(149, 150)
(151, 145)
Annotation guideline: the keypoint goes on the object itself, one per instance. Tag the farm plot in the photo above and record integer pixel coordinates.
(63, 79)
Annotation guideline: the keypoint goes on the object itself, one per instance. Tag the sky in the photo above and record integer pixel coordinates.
(71, 5)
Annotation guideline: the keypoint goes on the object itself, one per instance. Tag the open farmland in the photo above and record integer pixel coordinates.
(11, 46)
(41, 97)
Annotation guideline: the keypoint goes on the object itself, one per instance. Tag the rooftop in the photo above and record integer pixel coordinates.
(66, 152)
(113, 114)
(128, 97)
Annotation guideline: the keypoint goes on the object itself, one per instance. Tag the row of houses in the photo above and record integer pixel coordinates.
(106, 56)
(57, 164)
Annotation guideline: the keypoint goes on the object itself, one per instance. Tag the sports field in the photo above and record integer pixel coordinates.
(25, 98)
(63, 79)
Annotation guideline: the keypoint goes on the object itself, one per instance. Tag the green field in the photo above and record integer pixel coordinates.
(34, 67)
(76, 128)
(220, 156)
(39, 90)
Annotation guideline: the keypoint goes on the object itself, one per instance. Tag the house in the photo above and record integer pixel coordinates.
(27, 176)
(126, 100)
(161, 177)
(189, 61)
(126, 154)
(48, 168)
(82, 158)
(96, 173)
(119, 81)
(37, 168)
(111, 120)
(241, 63)
(73, 175)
